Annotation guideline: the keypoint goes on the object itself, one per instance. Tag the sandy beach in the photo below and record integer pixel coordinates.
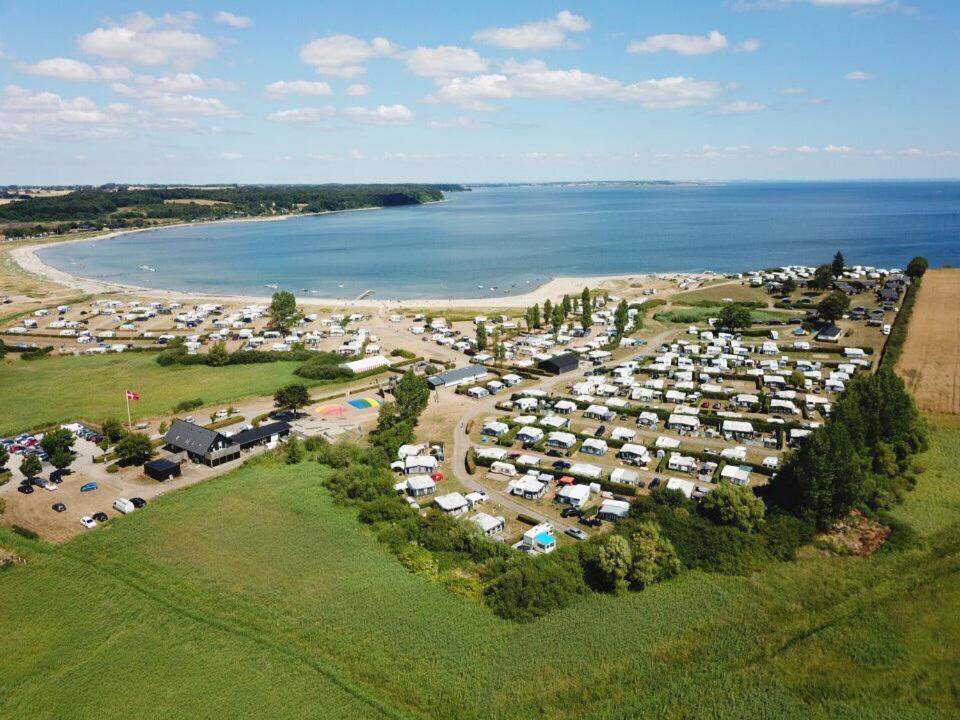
(26, 257)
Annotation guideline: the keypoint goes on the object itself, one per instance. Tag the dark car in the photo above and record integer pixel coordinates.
(717, 406)
(138, 502)
(58, 507)
(25, 489)
(554, 453)
(100, 517)
(600, 431)
(590, 522)
(655, 483)
(569, 512)
(562, 465)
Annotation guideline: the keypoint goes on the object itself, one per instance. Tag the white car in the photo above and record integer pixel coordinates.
(49, 486)
(88, 522)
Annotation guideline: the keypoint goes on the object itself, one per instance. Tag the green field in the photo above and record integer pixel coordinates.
(252, 595)
(62, 389)
(700, 314)
(719, 293)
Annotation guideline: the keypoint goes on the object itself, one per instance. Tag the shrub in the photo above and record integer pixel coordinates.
(188, 405)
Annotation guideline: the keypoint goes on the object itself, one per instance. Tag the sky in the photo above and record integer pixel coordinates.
(371, 91)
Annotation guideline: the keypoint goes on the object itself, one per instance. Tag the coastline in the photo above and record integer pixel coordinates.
(28, 260)
(26, 257)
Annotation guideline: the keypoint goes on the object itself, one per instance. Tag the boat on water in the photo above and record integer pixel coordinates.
(148, 268)
(272, 286)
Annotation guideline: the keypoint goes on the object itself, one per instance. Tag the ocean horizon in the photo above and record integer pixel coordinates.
(499, 240)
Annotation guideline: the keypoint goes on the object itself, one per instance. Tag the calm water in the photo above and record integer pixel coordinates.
(515, 238)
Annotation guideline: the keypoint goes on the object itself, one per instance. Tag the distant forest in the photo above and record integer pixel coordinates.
(120, 207)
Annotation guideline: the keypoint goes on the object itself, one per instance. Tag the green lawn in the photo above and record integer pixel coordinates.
(62, 389)
(700, 314)
(719, 293)
(253, 596)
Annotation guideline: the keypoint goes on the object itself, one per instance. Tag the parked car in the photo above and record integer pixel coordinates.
(569, 512)
(89, 487)
(554, 453)
(49, 486)
(88, 522)
(576, 533)
(100, 517)
(562, 465)
(655, 483)
(58, 507)
(25, 489)
(138, 502)
(600, 431)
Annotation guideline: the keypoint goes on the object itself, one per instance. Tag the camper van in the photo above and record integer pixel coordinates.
(123, 505)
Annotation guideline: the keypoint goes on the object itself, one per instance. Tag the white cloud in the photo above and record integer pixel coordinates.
(358, 90)
(858, 75)
(671, 92)
(535, 35)
(235, 21)
(343, 55)
(380, 114)
(690, 44)
(847, 3)
(515, 67)
(806, 149)
(541, 156)
(682, 44)
(740, 107)
(301, 115)
(73, 70)
(778, 148)
(298, 87)
(462, 123)
(174, 102)
(445, 61)
(838, 149)
(25, 112)
(232, 156)
(184, 82)
(145, 40)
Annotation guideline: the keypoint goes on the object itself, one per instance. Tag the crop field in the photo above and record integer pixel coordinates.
(930, 363)
(62, 389)
(252, 595)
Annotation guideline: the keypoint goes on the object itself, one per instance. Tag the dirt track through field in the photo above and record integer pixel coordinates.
(930, 363)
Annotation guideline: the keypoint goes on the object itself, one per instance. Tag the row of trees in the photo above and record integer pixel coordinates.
(106, 206)
(862, 455)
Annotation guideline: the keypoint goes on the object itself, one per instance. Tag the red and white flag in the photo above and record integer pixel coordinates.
(131, 395)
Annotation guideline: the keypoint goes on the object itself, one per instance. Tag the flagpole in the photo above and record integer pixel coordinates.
(129, 421)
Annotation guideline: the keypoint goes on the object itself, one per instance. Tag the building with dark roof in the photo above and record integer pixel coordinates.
(161, 469)
(460, 376)
(568, 362)
(262, 435)
(201, 444)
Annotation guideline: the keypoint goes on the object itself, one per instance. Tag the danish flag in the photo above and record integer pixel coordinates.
(131, 395)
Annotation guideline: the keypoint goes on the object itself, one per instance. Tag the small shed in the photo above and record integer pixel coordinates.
(161, 469)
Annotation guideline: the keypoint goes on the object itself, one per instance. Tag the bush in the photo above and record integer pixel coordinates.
(188, 405)
(114, 468)
(534, 587)
(323, 371)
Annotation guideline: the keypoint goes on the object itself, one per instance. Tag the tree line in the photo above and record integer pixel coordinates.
(123, 207)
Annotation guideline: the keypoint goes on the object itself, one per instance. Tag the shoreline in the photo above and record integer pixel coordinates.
(26, 257)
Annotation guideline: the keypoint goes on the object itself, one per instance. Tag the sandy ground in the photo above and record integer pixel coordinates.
(930, 363)
(26, 257)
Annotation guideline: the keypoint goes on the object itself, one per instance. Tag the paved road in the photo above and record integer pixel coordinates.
(481, 408)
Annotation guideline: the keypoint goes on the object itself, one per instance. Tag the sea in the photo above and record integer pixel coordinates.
(507, 240)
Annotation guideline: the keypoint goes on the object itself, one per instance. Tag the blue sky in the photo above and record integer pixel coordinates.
(494, 91)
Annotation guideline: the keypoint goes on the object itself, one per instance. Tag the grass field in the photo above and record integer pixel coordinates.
(719, 293)
(60, 389)
(251, 595)
(700, 314)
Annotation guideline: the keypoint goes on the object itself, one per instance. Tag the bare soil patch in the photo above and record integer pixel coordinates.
(930, 363)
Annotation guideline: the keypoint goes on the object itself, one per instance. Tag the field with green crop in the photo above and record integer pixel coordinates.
(252, 595)
(62, 389)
